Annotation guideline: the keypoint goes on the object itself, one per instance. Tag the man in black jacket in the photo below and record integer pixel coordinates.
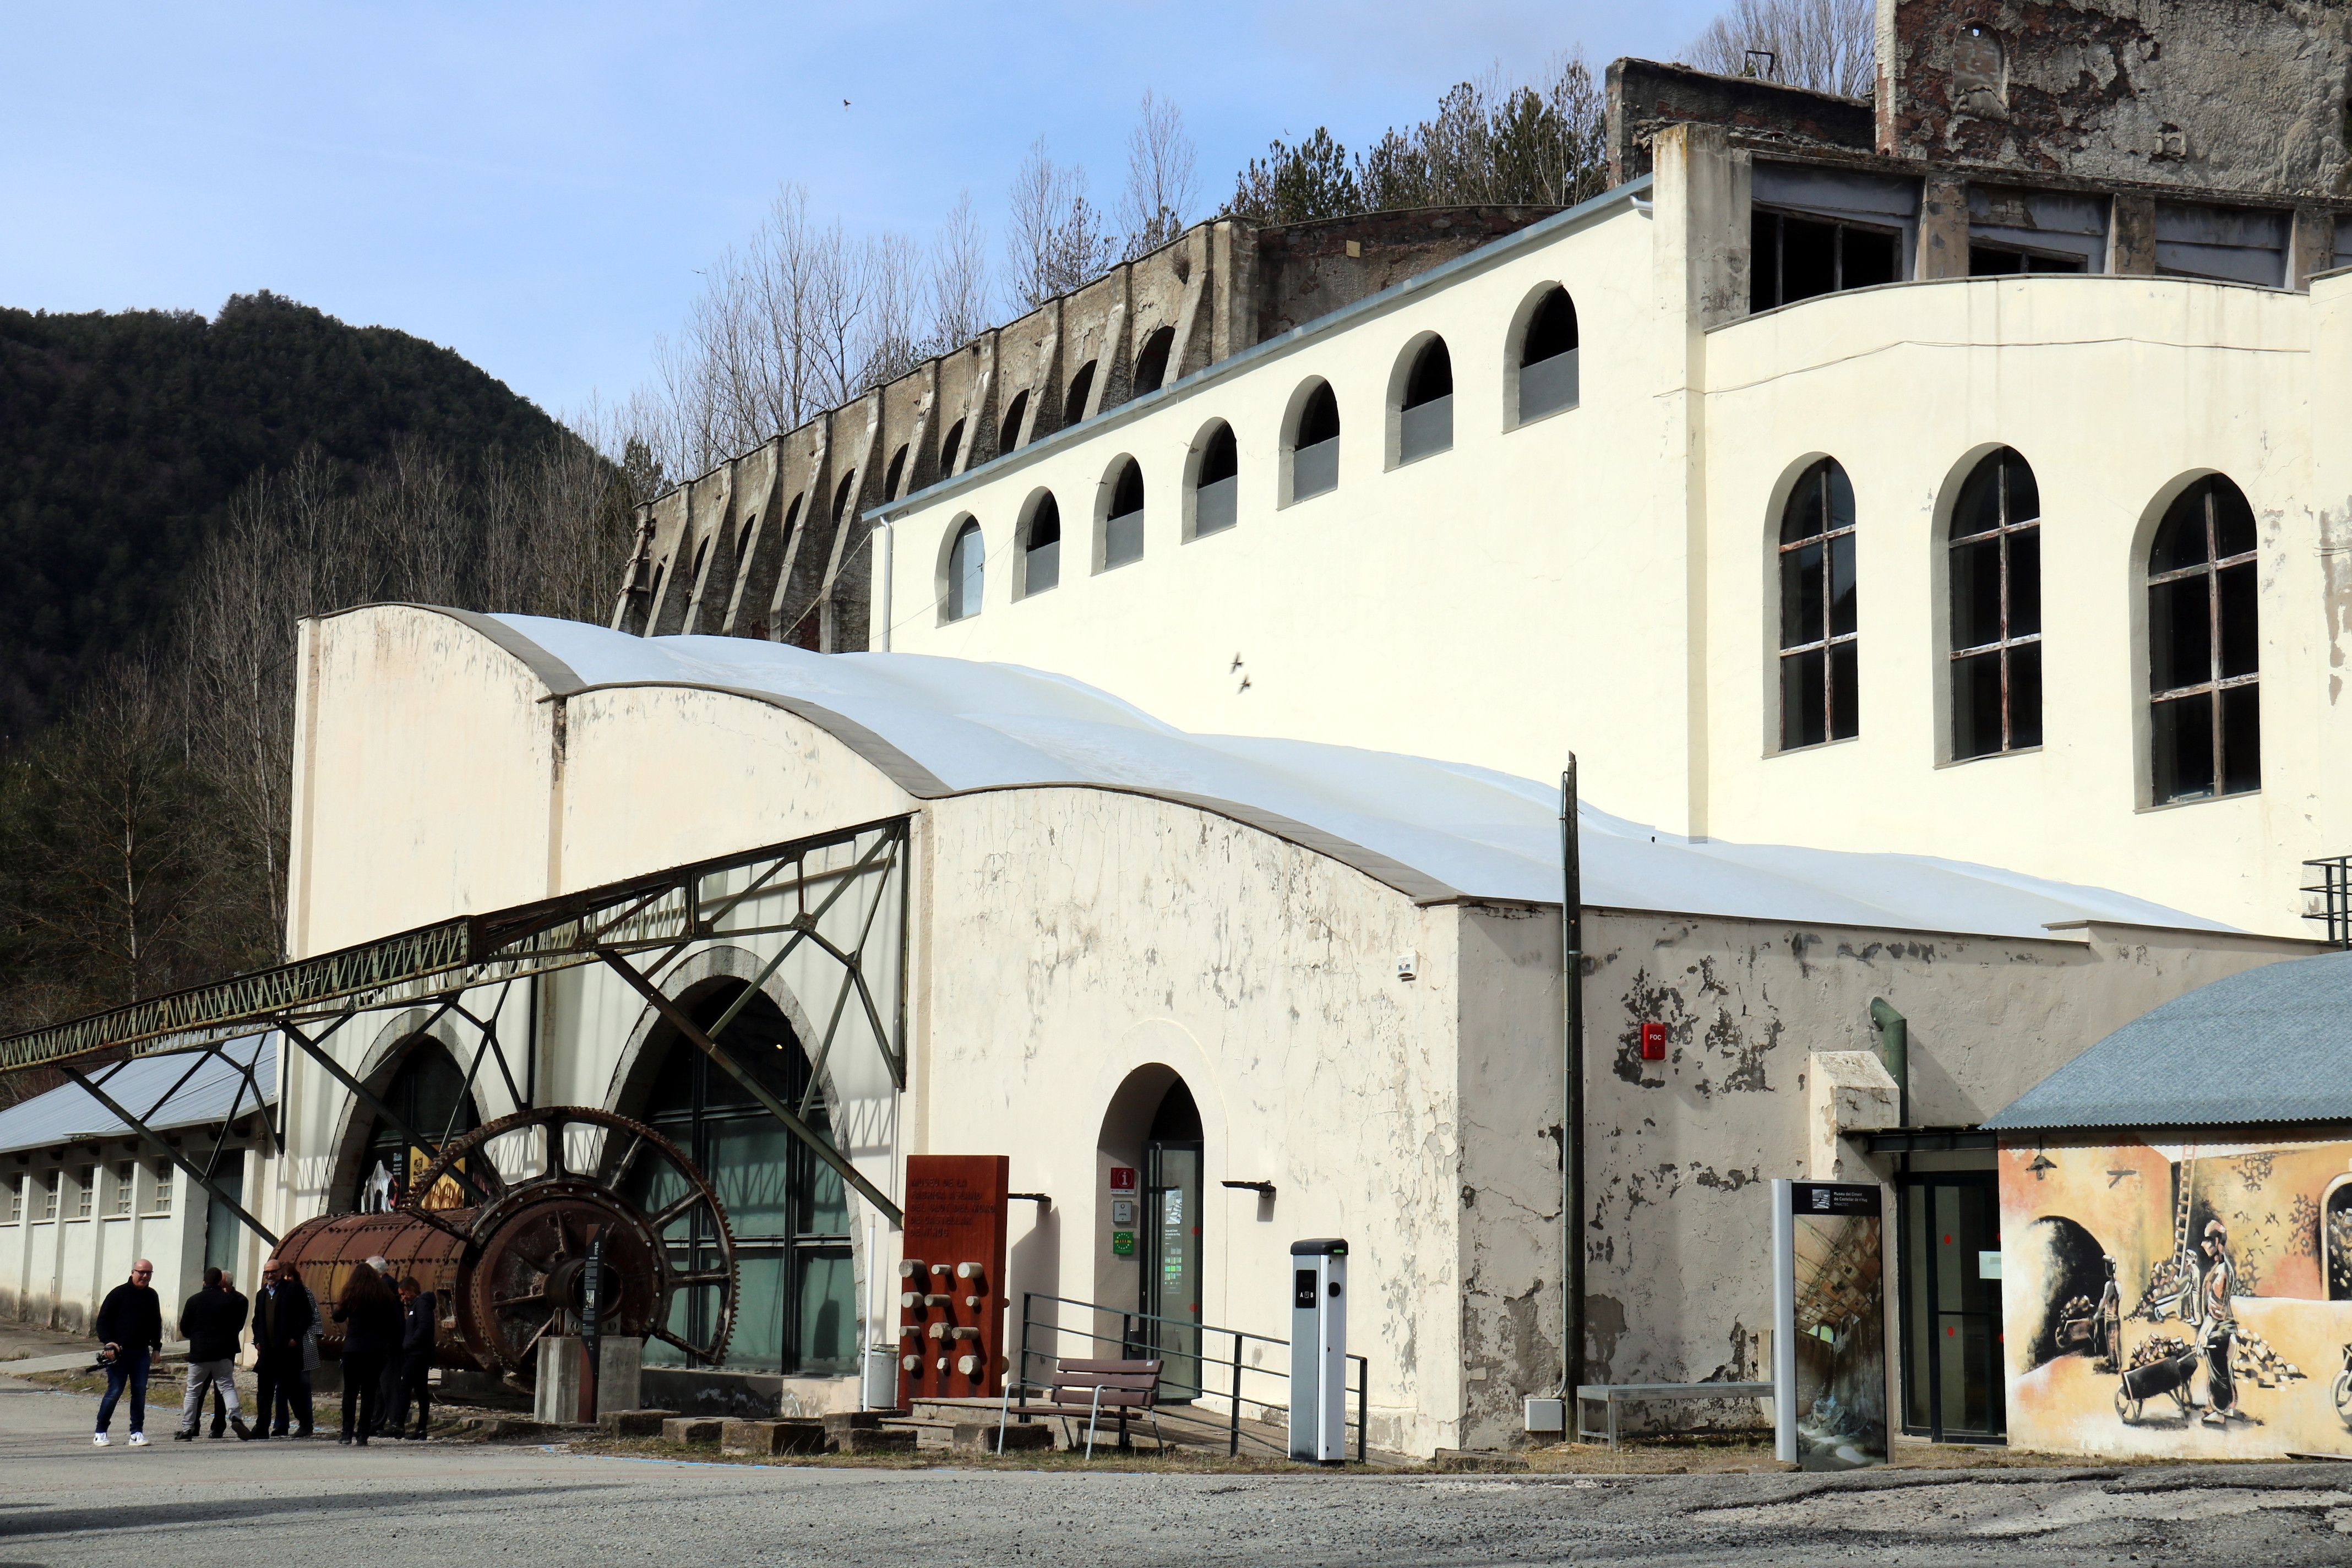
(130, 1333)
(212, 1322)
(413, 1365)
(282, 1315)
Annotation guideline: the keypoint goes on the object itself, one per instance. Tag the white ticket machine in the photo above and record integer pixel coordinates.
(1319, 1351)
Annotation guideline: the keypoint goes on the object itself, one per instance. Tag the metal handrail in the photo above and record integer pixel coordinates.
(1128, 1342)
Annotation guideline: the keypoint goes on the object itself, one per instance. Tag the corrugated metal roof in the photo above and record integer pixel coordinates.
(2272, 1044)
(67, 1114)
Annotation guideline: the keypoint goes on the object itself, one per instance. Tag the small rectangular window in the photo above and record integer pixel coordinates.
(86, 1192)
(1793, 258)
(124, 1175)
(15, 1205)
(49, 1185)
(163, 1200)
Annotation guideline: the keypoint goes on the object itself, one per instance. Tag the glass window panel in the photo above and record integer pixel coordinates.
(1804, 707)
(1844, 613)
(2180, 537)
(1764, 268)
(1978, 509)
(2024, 492)
(828, 1199)
(1976, 706)
(1841, 496)
(1548, 386)
(1315, 470)
(1808, 258)
(2182, 733)
(1870, 257)
(1801, 596)
(1804, 518)
(1045, 566)
(1425, 428)
(758, 1342)
(1123, 539)
(827, 1319)
(1845, 695)
(2234, 519)
(2025, 582)
(2026, 695)
(751, 1166)
(1215, 506)
(2240, 649)
(1975, 594)
(2180, 646)
(2242, 739)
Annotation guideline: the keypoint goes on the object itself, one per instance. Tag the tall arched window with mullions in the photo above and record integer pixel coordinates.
(967, 569)
(2205, 727)
(1995, 542)
(1819, 664)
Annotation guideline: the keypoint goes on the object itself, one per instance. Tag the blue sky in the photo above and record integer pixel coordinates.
(535, 185)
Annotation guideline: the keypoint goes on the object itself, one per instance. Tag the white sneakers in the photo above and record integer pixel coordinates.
(138, 1439)
(99, 1440)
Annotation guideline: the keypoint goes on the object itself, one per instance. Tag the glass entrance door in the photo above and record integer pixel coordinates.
(1953, 1389)
(1172, 1264)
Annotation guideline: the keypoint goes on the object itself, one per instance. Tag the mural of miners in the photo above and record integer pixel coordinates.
(2218, 1325)
(2108, 1329)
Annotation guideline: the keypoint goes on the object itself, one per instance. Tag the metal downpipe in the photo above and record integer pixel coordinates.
(1571, 1173)
(1895, 1051)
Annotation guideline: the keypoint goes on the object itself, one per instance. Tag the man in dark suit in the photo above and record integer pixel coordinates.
(415, 1364)
(212, 1320)
(130, 1333)
(282, 1314)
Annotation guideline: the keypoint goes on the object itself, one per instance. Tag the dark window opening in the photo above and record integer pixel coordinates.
(701, 553)
(1793, 258)
(1315, 450)
(428, 1093)
(1999, 261)
(1996, 609)
(1431, 376)
(1216, 483)
(1011, 435)
(1123, 525)
(1152, 365)
(1082, 385)
(2204, 647)
(743, 540)
(1548, 357)
(891, 476)
(1041, 549)
(1425, 421)
(844, 498)
(949, 446)
(1820, 665)
(967, 569)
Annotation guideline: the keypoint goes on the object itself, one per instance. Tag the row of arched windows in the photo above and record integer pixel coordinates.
(1542, 380)
(2203, 635)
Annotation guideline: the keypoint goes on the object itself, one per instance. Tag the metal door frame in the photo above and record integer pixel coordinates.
(1989, 1181)
(1148, 1281)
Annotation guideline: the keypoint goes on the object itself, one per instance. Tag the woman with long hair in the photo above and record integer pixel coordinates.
(370, 1314)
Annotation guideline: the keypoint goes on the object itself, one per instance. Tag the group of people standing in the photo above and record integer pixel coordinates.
(387, 1352)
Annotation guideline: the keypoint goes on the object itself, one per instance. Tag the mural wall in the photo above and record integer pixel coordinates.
(2185, 1299)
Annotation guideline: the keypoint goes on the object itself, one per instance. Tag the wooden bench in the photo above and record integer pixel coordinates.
(1098, 1386)
(1613, 1395)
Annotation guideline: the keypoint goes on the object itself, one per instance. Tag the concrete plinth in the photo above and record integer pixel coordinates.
(981, 1436)
(692, 1429)
(564, 1393)
(772, 1437)
(635, 1423)
(873, 1440)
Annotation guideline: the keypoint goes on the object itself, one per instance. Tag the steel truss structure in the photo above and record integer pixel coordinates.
(638, 929)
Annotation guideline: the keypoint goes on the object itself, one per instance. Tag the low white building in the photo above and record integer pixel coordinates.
(1086, 940)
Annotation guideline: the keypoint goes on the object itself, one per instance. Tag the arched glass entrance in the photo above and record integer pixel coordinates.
(427, 1092)
(1171, 1258)
(796, 1308)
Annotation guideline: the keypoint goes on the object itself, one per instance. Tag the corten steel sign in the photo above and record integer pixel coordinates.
(952, 1283)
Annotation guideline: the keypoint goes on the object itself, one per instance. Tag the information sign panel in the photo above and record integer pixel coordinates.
(1829, 1340)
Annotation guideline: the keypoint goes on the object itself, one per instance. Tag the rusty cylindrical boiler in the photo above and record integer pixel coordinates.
(510, 1266)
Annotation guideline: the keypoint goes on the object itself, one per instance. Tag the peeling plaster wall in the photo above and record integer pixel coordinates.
(1677, 1266)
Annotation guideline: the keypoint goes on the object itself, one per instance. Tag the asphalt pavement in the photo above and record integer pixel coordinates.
(64, 1504)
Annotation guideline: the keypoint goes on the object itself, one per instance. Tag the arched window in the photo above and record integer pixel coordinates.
(1040, 547)
(1014, 413)
(1082, 385)
(1546, 379)
(1425, 408)
(744, 539)
(1819, 665)
(429, 1092)
(1152, 365)
(1312, 453)
(701, 553)
(796, 1300)
(2204, 647)
(966, 572)
(1996, 573)
(950, 445)
(1123, 514)
(892, 474)
(844, 498)
(1217, 481)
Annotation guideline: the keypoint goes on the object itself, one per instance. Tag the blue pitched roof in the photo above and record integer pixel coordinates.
(68, 1114)
(2272, 1044)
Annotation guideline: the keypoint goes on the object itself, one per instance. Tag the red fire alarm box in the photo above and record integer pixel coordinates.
(1654, 1042)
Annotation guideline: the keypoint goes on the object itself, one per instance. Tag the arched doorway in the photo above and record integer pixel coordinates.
(796, 1302)
(427, 1091)
(1172, 1240)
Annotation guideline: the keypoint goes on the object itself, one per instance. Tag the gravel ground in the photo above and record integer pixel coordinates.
(65, 1503)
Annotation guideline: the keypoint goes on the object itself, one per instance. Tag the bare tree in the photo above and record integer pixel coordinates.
(1056, 240)
(1828, 45)
(959, 285)
(1162, 186)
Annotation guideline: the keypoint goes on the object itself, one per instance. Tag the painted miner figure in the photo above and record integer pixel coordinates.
(2219, 1326)
(2108, 1325)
